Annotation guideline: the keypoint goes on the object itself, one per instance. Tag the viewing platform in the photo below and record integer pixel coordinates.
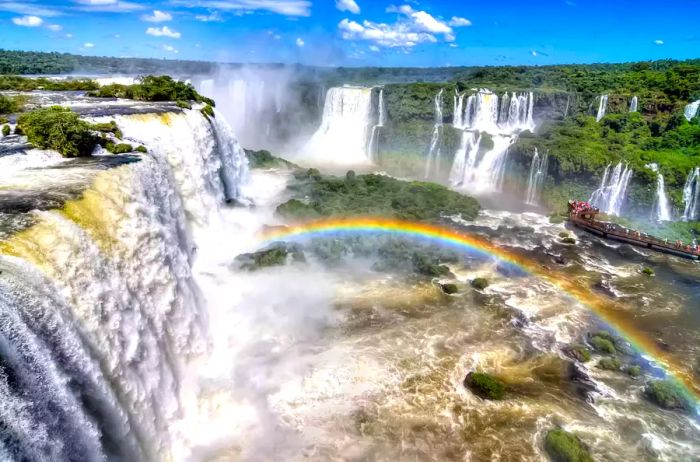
(583, 215)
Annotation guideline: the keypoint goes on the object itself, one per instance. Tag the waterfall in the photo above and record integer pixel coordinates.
(691, 110)
(98, 306)
(691, 195)
(611, 194)
(432, 163)
(503, 119)
(373, 145)
(465, 158)
(661, 211)
(538, 172)
(345, 130)
(458, 113)
(634, 104)
(602, 107)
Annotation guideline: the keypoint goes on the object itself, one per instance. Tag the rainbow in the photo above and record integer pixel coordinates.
(603, 307)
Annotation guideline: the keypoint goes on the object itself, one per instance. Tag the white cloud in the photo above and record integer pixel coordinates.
(299, 42)
(533, 53)
(394, 35)
(28, 21)
(454, 45)
(283, 7)
(374, 48)
(69, 35)
(428, 23)
(212, 17)
(170, 49)
(55, 27)
(157, 16)
(459, 22)
(659, 42)
(88, 45)
(27, 8)
(348, 5)
(108, 6)
(164, 31)
(412, 28)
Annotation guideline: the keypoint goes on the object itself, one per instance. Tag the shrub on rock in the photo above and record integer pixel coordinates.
(562, 446)
(609, 364)
(480, 283)
(667, 395)
(485, 385)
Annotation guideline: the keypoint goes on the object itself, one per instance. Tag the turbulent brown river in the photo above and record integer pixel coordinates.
(127, 332)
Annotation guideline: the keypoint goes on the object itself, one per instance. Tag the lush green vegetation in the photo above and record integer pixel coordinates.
(562, 446)
(374, 195)
(485, 385)
(31, 62)
(609, 364)
(60, 129)
(155, 88)
(5, 130)
(667, 395)
(580, 148)
(278, 254)
(264, 159)
(579, 352)
(16, 83)
(11, 104)
(634, 371)
(603, 344)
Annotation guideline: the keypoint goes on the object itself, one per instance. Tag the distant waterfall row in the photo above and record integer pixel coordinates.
(485, 111)
(691, 196)
(610, 196)
(538, 172)
(435, 149)
(661, 210)
(349, 128)
(481, 169)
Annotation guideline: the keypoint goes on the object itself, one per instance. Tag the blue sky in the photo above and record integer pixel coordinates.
(359, 32)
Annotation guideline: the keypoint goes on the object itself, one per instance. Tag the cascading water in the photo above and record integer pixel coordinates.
(661, 211)
(611, 194)
(343, 137)
(538, 172)
(465, 158)
(634, 104)
(602, 107)
(373, 146)
(502, 119)
(691, 195)
(99, 309)
(432, 163)
(691, 110)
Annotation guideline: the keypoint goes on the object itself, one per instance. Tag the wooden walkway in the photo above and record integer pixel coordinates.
(586, 220)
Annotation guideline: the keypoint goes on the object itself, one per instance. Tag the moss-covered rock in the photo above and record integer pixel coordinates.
(564, 234)
(449, 288)
(603, 345)
(142, 149)
(609, 364)
(634, 371)
(264, 159)
(578, 352)
(277, 254)
(562, 446)
(208, 111)
(485, 385)
(480, 283)
(295, 209)
(118, 148)
(667, 395)
(6, 130)
(568, 240)
(647, 271)
(183, 104)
